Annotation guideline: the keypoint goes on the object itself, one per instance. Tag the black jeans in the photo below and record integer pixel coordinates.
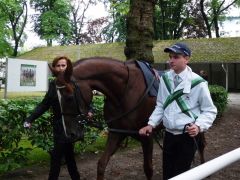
(61, 150)
(178, 154)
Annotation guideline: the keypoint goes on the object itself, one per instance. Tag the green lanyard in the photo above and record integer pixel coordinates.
(177, 96)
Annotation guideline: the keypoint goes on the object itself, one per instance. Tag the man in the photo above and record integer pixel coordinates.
(185, 106)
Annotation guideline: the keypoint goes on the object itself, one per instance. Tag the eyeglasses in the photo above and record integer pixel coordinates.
(61, 65)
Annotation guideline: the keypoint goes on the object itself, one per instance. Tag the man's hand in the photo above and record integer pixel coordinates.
(193, 130)
(27, 124)
(146, 131)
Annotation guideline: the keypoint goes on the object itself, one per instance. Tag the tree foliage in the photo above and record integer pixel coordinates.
(5, 46)
(93, 33)
(214, 11)
(178, 18)
(78, 20)
(14, 17)
(195, 27)
(52, 22)
(171, 18)
(116, 29)
(66, 22)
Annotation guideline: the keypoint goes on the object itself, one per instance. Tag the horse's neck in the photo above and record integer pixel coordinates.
(112, 85)
(120, 85)
(109, 78)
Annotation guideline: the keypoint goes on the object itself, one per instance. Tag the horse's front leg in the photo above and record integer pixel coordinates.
(147, 146)
(113, 142)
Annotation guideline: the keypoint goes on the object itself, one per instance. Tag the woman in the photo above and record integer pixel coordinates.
(63, 147)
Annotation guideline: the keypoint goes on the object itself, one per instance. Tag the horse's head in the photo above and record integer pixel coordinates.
(73, 104)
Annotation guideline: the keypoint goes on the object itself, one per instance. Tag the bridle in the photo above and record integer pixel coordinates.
(80, 115)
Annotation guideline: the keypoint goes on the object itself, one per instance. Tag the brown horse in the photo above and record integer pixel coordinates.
(125, 108)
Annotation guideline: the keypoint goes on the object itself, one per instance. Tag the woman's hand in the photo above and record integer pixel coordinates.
(27, 124)
(89, 115)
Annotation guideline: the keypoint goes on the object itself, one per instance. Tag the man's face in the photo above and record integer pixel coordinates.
(178, 62)
(61, 65)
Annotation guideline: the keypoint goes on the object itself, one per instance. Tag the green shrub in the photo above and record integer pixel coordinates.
(12, 115)
(220, 98)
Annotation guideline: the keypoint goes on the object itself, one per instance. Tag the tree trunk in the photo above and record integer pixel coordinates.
(216, 27)
(18, 26)
(49, 42)
(205, 18)
(139, 42)
(15, 50)
(162, 6)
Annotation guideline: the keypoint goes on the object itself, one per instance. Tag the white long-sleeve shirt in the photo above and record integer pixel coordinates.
(198, 100)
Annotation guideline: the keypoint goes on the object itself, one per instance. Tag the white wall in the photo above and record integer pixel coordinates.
(14, 75)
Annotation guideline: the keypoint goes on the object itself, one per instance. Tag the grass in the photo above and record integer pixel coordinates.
(12, 95)
(37, 155)
(204, 50)
(98, 146)
(41, 158)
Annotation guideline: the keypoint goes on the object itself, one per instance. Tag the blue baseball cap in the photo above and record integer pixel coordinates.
(179, 48)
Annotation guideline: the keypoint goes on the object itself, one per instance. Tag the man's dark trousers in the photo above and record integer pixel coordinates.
(178, 154)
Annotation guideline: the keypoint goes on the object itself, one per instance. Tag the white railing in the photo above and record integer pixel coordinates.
(210, 167)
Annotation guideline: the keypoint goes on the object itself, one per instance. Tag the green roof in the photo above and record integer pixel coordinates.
(203, 50)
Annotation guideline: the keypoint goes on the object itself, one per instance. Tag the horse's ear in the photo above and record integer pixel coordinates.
(54, 72)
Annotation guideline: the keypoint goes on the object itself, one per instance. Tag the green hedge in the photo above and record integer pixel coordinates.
(220, 98)
(12, 116)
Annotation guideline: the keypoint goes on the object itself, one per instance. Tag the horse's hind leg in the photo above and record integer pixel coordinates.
(113, 142)
(147, 146)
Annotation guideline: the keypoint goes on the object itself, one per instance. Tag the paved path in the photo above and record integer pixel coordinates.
(234, 99)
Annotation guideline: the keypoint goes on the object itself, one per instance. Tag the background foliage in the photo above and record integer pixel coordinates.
(12, 116)
(14, 17)
(67, 23)
(220, 98)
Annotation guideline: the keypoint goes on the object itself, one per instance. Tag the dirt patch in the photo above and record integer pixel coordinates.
(128, 164)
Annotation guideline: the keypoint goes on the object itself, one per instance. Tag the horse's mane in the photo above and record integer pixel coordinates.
(99, 58)
(111, 63)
